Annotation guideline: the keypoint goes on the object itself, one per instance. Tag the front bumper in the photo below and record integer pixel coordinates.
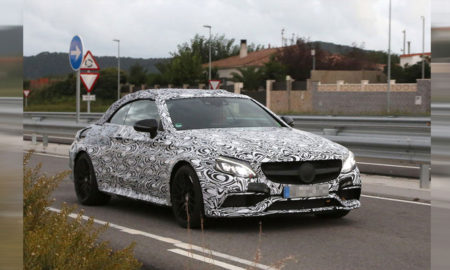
(344, 193)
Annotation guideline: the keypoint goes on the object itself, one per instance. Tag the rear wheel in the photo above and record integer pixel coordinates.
(186, 197)
(86, 184)
(333, 214)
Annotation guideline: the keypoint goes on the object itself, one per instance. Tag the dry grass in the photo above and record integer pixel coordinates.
(55, 241)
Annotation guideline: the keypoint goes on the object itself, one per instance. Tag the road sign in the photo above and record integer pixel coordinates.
(26, 93)
(214, 84)
(88, 97)
(89, 62)
(89, 79)
(76, 52)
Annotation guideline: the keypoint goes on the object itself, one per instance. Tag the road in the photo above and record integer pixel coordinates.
(382, 234)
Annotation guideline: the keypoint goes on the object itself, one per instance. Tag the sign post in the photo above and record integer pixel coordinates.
(89, 79)
(75, 59)
(26, 93)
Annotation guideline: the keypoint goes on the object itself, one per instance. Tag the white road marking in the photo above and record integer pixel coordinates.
(388, 165)
(223, 255)
(180, 244)
(394, 200)
(205, 259)
(49, 155)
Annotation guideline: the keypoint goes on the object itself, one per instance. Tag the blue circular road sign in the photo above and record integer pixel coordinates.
(76, 52)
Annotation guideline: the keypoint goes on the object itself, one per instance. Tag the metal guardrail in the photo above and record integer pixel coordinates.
(58, 116)
(404, 139)
(440, 134)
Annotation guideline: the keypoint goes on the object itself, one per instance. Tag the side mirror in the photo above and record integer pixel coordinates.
(147, 125)
(288, 120)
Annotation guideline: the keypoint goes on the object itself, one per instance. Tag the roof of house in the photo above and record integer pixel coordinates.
(414, 54)
(257, 58)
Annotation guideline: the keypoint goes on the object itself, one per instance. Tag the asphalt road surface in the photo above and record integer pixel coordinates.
(382, 234)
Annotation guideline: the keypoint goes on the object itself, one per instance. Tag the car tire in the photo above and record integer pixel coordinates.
(86, 183)
(186, 198)
(333, 214)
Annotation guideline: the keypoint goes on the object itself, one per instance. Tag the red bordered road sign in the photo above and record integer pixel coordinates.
(89, 62)
(214, 84)
(89, 80)
(26, 92)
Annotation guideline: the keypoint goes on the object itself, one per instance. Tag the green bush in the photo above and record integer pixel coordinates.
(53, 240)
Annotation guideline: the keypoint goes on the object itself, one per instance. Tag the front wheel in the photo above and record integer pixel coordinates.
(86, 184)
(186, 197)
(333, 214)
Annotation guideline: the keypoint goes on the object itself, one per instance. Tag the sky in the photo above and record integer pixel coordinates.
(154, 28)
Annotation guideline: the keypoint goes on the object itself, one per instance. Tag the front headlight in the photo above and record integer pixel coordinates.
(234, 167)
(349, 163)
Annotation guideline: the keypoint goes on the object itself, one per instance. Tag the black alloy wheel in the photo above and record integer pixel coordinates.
(86, 184)
(186, 197)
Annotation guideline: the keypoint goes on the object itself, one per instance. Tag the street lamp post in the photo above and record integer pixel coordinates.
(389, 64)
(209, 72)
(313, 53)
(404, 41)
(118, 67)
(423, 47)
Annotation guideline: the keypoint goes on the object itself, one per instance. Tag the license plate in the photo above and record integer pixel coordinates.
(297, 191)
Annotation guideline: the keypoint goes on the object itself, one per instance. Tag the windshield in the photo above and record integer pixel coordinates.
(218, 112)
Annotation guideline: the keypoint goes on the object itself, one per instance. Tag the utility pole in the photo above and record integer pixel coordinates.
(404, 41)
(423, 47)
(313, 53)
(118, 67)
(389, 64)
(282, 37)
(209, 72)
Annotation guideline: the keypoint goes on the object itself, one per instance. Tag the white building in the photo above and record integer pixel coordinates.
(411, 59)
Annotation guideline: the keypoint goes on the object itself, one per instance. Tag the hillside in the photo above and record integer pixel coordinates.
(56, 64)
(48, 64)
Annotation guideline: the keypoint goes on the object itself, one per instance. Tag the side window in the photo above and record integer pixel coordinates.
(140, 110)
(119, 116)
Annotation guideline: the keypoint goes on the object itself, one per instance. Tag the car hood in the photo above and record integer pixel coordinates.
(265, 144)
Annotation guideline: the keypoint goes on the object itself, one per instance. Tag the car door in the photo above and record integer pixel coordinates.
(140, 169)
(110, 157)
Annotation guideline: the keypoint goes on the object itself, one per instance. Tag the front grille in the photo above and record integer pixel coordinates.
(302, 172)
(302, 204)
(246, 200)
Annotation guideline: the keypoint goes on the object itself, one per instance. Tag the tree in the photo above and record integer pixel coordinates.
(298, 60)
(408, 74)
(137, 74)
(186, 63)
(184, 67)
(252, 77)
(274, 70)
(221, 47)
(106, 87)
